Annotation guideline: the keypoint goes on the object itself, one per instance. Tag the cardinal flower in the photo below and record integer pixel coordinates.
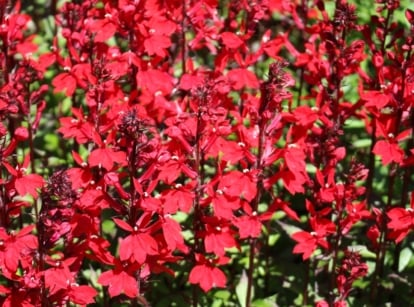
(309, 241)
(207, 274)
(401, 221)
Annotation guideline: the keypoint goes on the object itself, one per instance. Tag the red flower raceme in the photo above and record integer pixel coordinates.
(351, 269)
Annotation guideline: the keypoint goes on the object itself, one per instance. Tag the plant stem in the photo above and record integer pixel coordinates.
(304, 15)
(131, 170)
(405, 189)
(256, 200)
(183, 41)
(306, 283)
(335, 250)
(199, 167)
(371, 163)
(393, 176)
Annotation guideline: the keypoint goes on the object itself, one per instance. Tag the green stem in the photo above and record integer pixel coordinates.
(306, 283)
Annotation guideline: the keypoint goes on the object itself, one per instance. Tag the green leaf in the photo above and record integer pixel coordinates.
(362, 143)
(108, 227)
(241, 289)
(363, 251)
(268, 302)
(223, 295)
(310, 169)
(289, 229)
(51, 142)
(273, 239)
(405, 257)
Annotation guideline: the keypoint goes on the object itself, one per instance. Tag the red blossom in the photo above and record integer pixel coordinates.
(186, 148)
(61, 283)
(25, 184)
(77, 127)
(137, 245)
(120, 280)
(14, 245)
(388, 151)
(172, 234)
(242, 77)
(231, 40)
(308, 242)
(401, 221)
(181, 197)
(65, 82)
(218, 236)
(106, 158)
(207, 275)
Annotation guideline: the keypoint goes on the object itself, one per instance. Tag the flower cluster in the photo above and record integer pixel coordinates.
(202, 143)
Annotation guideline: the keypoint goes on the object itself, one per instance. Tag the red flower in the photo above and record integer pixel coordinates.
(157, 35)
(77, 127)
(401, 222)
(308, 242)
(206, 274)
(231, 40)
(218, 236)
(172, 234)
(106, 157)
(172, 166)
(389, 151)
(249, 226)
(61, 285)
(13, 246)
(242, 77)
(181, 197)
(102, 29)
(137, 245)
(25, 184)
(65, 82)
(120, 280)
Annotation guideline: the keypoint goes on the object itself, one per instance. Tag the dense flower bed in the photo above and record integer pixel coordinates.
(206, 153)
